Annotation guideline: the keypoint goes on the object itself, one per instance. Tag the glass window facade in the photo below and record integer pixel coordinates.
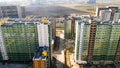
(21, 40)
(105, 42)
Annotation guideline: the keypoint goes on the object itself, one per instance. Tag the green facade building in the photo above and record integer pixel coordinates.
(68, 28)
(20, 39)
(96, 42)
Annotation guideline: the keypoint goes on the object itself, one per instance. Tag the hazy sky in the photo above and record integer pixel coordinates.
(61, 0)
(10, 0)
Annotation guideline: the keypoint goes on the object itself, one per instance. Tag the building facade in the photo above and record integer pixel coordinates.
(12, 11)
(42, 57)
(110, 13)
(97, 42)
(22, 38)
(92, 2)
(68, 28)
(116, 16)
(105, 15)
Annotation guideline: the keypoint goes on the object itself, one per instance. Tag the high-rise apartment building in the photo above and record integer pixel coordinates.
(110, 13)
(42, 58)
(98, 9)
(70, 24)
(68, 28)
(22, 39)
(105, 15)
(116, 17)
(97, 42)
(92, 2)
(12, 11)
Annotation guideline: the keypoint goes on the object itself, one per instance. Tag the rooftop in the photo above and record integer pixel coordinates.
(39, 51)
(10, 21)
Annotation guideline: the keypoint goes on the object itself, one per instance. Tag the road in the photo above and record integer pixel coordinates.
(59, 54)
(70, 54)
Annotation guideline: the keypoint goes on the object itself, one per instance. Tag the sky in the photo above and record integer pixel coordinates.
(59, 0)
(9, 0)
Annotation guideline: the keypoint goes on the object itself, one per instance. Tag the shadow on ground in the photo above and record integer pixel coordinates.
(56, 63)
(16, 65)
(99, 66)
(57, 47)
